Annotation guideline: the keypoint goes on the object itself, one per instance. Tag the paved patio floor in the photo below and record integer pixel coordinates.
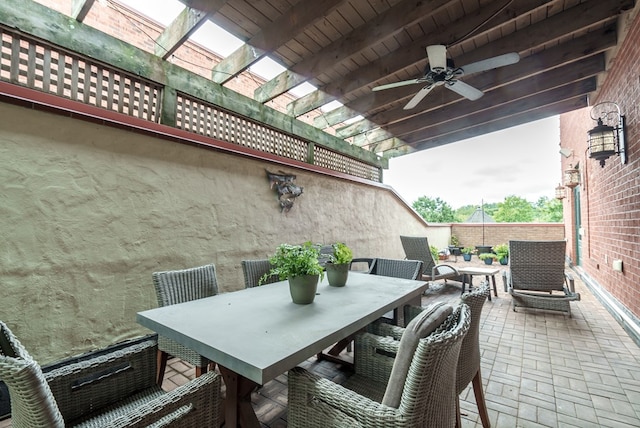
(539, 369)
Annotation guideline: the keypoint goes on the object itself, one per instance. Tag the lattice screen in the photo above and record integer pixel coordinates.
(37, 65)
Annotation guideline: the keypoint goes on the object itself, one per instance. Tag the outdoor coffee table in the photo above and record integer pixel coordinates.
(468, 272)
(256, 334)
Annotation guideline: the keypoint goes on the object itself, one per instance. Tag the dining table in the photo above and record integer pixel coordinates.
(257, 334)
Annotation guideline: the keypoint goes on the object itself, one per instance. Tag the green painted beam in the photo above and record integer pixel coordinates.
(33, 18)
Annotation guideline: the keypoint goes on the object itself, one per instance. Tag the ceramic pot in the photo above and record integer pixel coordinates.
(504, 261)
(488, 261)
(303, 288)
(337, 274)
(466, 257)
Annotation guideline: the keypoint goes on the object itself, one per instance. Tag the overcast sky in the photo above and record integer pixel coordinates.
(522, 161)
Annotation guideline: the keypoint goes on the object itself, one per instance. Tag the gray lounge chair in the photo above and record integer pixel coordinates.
(417, 248)
(536, 277)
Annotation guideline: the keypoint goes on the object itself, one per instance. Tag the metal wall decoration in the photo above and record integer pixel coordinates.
(287, 190)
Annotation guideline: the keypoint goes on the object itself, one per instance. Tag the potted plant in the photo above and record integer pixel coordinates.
(299, 264)
(338, 265)
(454, 247)
(488, 257)
(434, 252)
(502, 251)
(467, 252)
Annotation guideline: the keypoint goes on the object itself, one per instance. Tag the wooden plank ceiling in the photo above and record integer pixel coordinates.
(347, 47)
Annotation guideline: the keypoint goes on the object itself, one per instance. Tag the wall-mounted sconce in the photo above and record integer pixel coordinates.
(560, 192)
(608, 136)
(571, 177)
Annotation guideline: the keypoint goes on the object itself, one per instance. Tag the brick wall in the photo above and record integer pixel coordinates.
(607, 202)
(471, 234)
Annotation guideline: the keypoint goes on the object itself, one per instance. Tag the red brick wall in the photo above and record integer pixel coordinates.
(609, 196)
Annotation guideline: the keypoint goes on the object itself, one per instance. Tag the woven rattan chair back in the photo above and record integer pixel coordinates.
(178, 286)
(407, 269)
(417, 248)
(469, 361)
(253, 270)
(537, 265)
(32, 403)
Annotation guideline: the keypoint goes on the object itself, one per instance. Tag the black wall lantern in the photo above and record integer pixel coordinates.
(608, 137)
(560, 192)
(571, 177)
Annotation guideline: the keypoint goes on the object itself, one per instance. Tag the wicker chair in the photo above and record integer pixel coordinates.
(417, 248)
(415, 389)
(407, 269)
(357, 261)
(469, 361)
(114, 389)
(536, 276)
(253, 270)
(180, 286)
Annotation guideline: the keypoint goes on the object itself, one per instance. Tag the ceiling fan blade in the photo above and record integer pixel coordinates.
(489, 63)
(419, 96)
(437, 57)
(396, 84)
(465, 90)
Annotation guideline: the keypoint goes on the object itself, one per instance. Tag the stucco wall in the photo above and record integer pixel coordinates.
(88, 212)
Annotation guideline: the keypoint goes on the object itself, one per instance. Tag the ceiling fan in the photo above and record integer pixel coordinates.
(441, 71)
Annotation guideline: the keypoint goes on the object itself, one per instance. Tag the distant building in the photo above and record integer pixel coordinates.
(479, 216)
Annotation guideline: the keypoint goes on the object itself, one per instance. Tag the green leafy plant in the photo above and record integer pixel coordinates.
(434, 251)
(501, 250)
(295, 260)
(342, 254)
(455, 242)
(468, 250)
(488, 256)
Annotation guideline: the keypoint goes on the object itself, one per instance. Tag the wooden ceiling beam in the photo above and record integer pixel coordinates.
(575, 19)
(412, 54)
(182, 27)
(80, 9)
(586, 67)
(286, 27)
(498, 124)
(557, 56)
(383, 26)
(569, 91)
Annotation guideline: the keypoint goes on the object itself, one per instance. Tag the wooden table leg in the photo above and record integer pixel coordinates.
(237, 407)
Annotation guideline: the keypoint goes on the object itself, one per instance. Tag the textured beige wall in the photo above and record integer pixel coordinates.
(88, 212)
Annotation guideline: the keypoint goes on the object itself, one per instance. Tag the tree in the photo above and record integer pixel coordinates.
(434, 210)
(549, 210)
(514, 209)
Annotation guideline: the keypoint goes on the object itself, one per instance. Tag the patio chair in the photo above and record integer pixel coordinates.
(415, 388)
(178, 286)
(536, 276)
(417, 248)
(407, 269)
(253, 270)
(469, 360)
(111, 390)
(356, 264)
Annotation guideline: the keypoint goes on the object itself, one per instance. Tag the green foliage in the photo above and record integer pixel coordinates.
(501, 250)
(455, 241)
(341, 254)
(463, 213)
(434, 210)
(295, 260)
(549, 210)
(468, 250)
(434, 251)
(488, 256)
(514, 209)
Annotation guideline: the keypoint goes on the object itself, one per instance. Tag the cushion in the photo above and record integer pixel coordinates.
(419, 327)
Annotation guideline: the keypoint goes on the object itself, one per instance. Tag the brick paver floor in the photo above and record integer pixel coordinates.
(539, 369)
